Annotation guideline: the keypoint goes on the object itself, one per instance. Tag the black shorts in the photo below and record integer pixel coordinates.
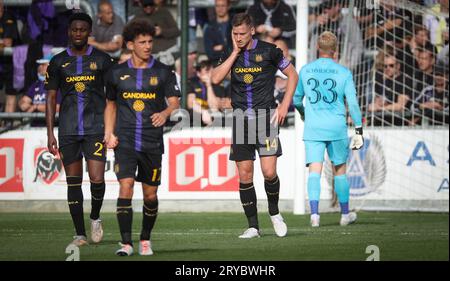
(255, 133)
(148, 165)
(73, 148)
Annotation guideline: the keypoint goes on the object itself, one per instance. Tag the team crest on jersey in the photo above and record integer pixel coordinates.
(153, 81)
(366, 168)
(93, 65)
(138, 106)
(79, 87)
(248, 78)
(48, 168)
(258, 58)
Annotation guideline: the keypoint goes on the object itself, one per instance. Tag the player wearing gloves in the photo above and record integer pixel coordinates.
(327, 85)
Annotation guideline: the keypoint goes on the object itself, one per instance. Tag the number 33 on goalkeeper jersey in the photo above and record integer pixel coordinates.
(327, 85)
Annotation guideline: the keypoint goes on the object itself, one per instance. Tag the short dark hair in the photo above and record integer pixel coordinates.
(203, 64)
(428, 48)
(147, 3)
(242, 18)
(137, 27)
(81, 17)
(419, 28)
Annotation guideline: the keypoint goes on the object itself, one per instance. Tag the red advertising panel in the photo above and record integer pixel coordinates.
(11, 159)
(201, 165)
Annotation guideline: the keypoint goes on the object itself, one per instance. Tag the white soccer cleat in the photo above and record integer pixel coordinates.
(348, 219)
(279, 225)
(250, 233)
(315, 220)
(79, 240)
(96, 231)
(125, 250)
(145, 248)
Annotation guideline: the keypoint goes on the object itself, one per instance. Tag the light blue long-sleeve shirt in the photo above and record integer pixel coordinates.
(327, 85)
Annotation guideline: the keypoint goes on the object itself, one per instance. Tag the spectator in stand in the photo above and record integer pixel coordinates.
(438, 24)
(391, 26)
(198, 17)
(281, 79)
(421, 39)
(443, 56)
(8, 37)
(166, 27)
(217, 36)
(35, 98)
(433, 101)
(423, 74)
(332, 19)
(107, 30)
(134, 8)
(192, 59)
(393, 93)
(274, 19)
(203, 95)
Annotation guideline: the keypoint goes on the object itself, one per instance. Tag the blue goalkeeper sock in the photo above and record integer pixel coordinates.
(342, 188)
(314, 192)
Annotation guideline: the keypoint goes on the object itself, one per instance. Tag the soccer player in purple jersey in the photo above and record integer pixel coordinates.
(137, 91)
(253, 65)
(78, 73)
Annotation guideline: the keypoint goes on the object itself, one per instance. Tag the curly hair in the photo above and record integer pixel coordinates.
(137, 27)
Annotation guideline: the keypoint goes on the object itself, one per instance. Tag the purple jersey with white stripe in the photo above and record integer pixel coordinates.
(253, 76)
(139, 93)
(80, 79)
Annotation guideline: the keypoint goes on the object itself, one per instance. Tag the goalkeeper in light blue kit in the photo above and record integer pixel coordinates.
(327, 86)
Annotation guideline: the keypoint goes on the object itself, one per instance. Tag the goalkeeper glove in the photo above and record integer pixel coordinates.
(357, 140)
(301, 110)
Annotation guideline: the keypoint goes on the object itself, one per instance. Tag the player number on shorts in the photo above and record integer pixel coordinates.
(272, 144)
(156, 175)
(98, 152)
(330, 83)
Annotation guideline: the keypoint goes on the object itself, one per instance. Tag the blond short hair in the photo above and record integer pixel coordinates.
(327, 42)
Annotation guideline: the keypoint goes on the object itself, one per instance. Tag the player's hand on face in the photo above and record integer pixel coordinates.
(158, 119)
(52, 145)
(236, 48)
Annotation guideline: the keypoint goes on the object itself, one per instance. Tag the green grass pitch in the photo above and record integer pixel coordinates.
(213, 236)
